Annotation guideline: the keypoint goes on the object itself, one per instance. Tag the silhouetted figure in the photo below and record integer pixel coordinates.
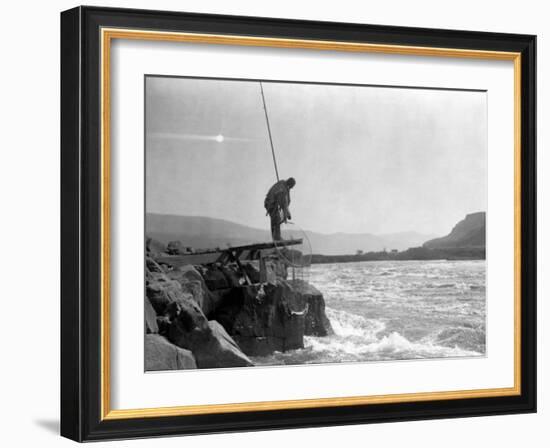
(276, 203)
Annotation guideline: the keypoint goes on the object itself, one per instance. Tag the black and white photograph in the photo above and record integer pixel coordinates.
(286, 219)
(305, 223)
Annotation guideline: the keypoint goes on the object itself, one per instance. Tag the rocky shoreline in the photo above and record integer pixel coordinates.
(210, 316)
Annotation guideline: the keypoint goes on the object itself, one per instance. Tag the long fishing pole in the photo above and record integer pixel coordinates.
(269, 132)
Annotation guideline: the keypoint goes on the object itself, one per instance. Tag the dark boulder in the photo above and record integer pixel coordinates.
(214, 277)
(186, 321)
(183, 322)
(211, 346)
(160, 354)
(234, 279)
(192, 282)
(316, 320)
(163, 323)
(162, 291)
(216, 298)
(222, 350)
(264, 318)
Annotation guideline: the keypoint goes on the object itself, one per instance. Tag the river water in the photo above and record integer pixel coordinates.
(394, 310)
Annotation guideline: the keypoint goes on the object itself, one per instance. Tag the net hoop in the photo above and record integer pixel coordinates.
(305, 252)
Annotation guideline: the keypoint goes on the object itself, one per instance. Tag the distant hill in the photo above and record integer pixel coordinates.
(205, 233)
(200, 232)
(470, 232)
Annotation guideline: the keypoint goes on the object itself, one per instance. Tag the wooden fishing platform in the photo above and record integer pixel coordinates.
(255, 249)
(228, 254)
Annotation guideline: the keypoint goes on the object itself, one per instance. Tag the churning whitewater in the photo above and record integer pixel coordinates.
(396, 310)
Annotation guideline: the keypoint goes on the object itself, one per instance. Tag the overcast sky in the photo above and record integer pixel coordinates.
(366, 159)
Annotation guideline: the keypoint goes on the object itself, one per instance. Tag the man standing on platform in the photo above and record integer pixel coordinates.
(276, 204)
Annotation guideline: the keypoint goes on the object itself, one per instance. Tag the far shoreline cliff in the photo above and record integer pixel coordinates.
(466, 241)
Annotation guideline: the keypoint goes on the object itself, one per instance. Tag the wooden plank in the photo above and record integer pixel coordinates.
(222, 255)
(270, 245)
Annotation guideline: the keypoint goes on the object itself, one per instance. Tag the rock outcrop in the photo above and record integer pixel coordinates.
(211, 347)
(162, 355)
(222, 350)
(223, 313)
(181, 319)
(214, 277)
(264, 318)
(470, 232)
(193, 283)
(316, 320)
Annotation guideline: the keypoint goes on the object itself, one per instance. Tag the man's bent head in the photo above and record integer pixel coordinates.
(290, 182)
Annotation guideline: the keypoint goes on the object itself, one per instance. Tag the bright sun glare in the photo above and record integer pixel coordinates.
(219, 138)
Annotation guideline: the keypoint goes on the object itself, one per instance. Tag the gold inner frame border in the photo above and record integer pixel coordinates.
(107, 35)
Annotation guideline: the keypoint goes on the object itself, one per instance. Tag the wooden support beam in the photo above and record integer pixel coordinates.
(223, 256)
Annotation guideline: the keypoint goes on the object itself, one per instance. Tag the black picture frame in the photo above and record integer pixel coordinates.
(81, 381)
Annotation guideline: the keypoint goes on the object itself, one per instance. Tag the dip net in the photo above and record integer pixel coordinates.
(295, 257)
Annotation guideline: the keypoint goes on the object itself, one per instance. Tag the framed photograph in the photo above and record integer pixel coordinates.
(273, 223)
